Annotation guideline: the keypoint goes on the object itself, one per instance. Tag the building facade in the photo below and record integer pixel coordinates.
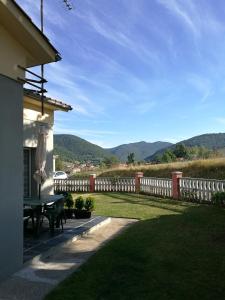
(33, 121)
(21, 45)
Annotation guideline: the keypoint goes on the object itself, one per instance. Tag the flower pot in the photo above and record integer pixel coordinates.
(82, 214)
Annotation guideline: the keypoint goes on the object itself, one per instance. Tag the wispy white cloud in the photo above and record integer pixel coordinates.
(119, 32)
(178, 9)
(144, 107)
(64, 86)
(119, 54)
(70, 77)
(191, 14)
(202, 85)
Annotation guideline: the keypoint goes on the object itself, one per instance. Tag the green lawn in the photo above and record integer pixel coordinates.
(176, 251)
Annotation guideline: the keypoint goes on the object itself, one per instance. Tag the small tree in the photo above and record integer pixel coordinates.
(58, 164)
(110, 161)
(168, 156)
(181, 151)
(158, 158)
(130, 158)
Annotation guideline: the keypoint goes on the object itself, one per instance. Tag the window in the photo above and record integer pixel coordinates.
(27, 172)
(29, 184)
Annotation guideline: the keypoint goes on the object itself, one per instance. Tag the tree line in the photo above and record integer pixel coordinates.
(182, 152)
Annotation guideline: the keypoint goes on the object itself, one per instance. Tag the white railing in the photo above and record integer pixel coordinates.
(194, 189)
(156, 186)
(71, 185)
(198, 189)
(111, 184)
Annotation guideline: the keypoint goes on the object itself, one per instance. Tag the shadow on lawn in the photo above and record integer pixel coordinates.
(170, 257)
(137, 199)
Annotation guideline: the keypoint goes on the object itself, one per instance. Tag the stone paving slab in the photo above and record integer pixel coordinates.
(72, 229)
(45, 271)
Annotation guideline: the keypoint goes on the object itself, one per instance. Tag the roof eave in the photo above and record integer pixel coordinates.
(54, 104)
(38, 29)
(20, 25)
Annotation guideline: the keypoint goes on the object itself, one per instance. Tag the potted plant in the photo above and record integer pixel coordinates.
(79, 205)
(69, 204)
(89, 206)
(84, 208)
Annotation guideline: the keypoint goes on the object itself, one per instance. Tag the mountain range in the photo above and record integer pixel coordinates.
(140, 149)
(212, 141)
(71, 147)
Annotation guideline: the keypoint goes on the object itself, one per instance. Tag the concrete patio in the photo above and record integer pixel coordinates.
(73, 228)
(42, 273)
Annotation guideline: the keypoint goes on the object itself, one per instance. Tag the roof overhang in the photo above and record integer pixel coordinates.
(52, 104)
(21, 27)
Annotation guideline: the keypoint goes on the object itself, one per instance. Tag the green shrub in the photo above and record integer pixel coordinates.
(89, 204)
(79, 203)
(218, 198)
(68, 200)
(190, 195)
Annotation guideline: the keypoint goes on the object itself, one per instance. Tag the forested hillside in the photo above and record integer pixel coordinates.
(211, 141)
(140, 150)
(71, 148)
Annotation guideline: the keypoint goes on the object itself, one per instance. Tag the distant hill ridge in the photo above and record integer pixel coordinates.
(71, 147)
(140, 149)
(211, 141)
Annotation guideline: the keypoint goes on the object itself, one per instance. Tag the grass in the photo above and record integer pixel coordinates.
(176, 251)
(207, 168)
(135, 206)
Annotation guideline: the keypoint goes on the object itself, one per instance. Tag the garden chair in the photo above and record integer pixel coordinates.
(54, 212)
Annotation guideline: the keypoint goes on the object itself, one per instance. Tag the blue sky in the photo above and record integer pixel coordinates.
(137, 69)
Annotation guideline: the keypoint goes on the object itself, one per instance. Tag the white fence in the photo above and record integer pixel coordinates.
(200, 190)
(194, 189)
(156, 186)
(111, 184)
(71, 185)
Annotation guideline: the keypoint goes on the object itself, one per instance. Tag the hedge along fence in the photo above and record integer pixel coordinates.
(194, 189)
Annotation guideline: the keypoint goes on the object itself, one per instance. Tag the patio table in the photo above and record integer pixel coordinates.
(39, 205)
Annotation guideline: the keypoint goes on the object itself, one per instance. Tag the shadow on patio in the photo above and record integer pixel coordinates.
(73, 228)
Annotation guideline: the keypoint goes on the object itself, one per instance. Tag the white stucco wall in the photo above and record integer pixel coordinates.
(30, 50)
(12, 55)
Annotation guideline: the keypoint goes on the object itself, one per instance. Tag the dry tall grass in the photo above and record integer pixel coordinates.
(208, 168)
